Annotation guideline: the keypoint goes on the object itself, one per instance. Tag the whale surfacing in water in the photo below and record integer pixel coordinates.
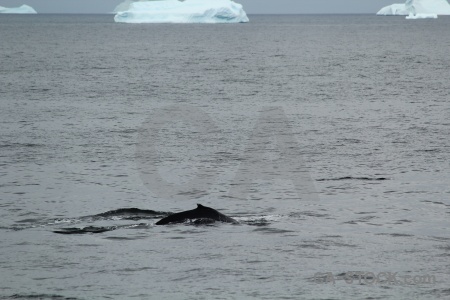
(202, 213)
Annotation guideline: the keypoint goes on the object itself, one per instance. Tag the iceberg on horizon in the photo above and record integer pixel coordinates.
(24, 9)
(421, 16)
(398, 9)
(175, 11)
(420, 8)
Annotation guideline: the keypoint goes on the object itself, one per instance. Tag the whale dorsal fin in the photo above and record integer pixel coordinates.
(200, 206)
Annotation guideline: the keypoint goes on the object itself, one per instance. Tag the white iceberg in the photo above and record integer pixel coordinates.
(393, 10)
(24, 9)
(421, 16)
(175, 11)
(423, 8)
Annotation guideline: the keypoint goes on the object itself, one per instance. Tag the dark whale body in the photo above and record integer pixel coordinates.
(202, 213)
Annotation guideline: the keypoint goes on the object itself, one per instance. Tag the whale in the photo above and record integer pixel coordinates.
(201, 215)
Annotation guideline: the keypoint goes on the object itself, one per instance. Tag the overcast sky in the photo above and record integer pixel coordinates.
(250, 6)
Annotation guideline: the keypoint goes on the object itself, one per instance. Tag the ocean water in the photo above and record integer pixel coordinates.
(325, 136)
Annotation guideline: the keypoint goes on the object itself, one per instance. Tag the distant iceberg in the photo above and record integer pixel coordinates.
(24, 9)
(175, 11)
(421, 16)
(418, 8)
(394, 10)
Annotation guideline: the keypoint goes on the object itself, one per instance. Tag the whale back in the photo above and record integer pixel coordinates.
(201, 212)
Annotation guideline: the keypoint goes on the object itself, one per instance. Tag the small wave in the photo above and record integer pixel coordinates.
(39, 296)
(309, 214)
(13, 145)
(396, 234)
(259, 220)
(268, 230)
(99, 229)
(89, 229)
(353, 178)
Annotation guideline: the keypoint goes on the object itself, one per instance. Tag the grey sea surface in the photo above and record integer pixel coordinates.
(88, 106)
